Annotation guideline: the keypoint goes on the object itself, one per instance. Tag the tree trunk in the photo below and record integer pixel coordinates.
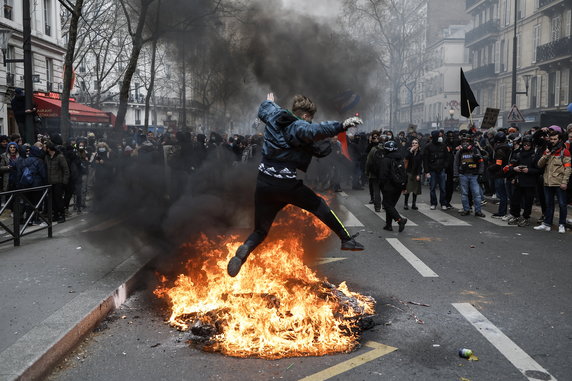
(65, 122)
(137, 38)
(153, 58)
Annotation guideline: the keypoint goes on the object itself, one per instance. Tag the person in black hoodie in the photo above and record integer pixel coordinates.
(526, 173)
(435, 161)
(500, 160)
(392, 184)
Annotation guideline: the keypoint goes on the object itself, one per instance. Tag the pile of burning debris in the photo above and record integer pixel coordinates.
(276, 307)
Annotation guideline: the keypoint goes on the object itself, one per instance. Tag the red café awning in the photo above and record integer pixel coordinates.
(51, 108)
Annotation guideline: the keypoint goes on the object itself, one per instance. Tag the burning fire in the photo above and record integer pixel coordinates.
(276, 307)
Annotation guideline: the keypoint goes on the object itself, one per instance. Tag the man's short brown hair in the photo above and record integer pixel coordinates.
(301, 104)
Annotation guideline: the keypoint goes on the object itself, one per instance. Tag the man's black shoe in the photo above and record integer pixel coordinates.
(414, 207)
(235, 263)
(479, 214)
(377, 209)
(465, 213)
(388, 228)
(371, 201)
(352, 245)
(402, 223)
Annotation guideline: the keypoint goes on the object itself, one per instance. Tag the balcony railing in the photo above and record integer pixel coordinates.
(554, 49)
(544, 3)
(470, 3)
(480, 73)
(490, 28)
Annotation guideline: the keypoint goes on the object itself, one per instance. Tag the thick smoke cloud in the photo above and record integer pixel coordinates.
(267, 47)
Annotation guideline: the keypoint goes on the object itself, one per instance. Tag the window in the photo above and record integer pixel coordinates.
(507, 12)
(48, 17)
(551, 89)
(564, 86)
(502, 56)
(520, 8)
(567, 21)
(556, 28)
(535, 40)
(49, 74)
(96, 85)
(83, 86)
(82, 67)
(137, 116)
(8, 5)
(533, 92)
(497, 57)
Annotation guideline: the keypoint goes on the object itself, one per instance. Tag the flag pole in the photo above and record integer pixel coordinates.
(470, 112)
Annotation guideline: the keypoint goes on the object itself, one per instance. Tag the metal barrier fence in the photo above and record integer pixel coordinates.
(20, 202)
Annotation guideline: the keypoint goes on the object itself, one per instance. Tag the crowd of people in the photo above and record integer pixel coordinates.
(514, 168)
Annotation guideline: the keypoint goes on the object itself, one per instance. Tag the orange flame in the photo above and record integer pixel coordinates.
(276, 306)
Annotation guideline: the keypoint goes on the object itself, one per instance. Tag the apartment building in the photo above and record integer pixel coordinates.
(48, 50)
(543, 55)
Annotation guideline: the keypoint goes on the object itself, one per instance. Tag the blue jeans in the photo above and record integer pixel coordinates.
(470, 181)
(441, 179)
(500, 188)
(549, 193)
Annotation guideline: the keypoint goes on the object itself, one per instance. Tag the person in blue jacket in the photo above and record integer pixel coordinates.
(290, 142)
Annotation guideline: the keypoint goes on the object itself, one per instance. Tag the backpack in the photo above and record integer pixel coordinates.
(398, 174)
(27, 179)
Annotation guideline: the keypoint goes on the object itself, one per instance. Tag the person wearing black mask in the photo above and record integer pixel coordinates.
(392, 177)
(435, 161)
(468, 166)
(499, 161)
(525, 173)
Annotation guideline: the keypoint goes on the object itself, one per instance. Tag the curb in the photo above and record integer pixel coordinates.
(39, 350)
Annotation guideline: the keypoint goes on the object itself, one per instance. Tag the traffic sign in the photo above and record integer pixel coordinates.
(515, 115)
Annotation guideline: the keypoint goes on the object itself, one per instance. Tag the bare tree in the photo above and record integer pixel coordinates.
(65, 123)
(396, 31)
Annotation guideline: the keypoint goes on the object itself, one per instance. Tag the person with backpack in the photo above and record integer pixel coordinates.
(392, 177)
(31, 172)
(372, 166)
(58, 175)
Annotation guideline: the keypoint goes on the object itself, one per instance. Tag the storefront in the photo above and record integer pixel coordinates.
(83, 118)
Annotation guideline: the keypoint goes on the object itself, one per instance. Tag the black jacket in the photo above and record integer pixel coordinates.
(528, 159)
(435, 157)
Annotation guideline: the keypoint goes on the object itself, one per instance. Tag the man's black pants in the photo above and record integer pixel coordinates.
(391, 195)
(273, 194)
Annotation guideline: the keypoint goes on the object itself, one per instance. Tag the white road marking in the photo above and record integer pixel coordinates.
(441, 217)
(325, 260)
(343, 194)
(417, 264)
(488, 218)
(349, 220)
(382, 215)
(513, 353)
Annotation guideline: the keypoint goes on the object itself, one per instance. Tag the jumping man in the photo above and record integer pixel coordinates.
(290, 142)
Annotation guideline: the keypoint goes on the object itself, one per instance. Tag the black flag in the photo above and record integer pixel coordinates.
(468, 101)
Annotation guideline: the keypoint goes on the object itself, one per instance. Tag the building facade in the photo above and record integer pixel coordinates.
(48, 52)
(543, 56)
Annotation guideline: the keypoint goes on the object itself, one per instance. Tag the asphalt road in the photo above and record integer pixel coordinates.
(502, 291)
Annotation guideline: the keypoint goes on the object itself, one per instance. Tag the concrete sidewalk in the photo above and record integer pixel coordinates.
(54, 291)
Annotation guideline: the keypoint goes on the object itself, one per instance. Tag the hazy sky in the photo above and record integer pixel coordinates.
(315, 7)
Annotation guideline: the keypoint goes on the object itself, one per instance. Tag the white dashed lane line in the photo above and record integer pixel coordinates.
(417, 264)
(508, 348)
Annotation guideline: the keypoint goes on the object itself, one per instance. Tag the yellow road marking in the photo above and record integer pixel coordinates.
(378, 351)
(323, 261)
(426, 239)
